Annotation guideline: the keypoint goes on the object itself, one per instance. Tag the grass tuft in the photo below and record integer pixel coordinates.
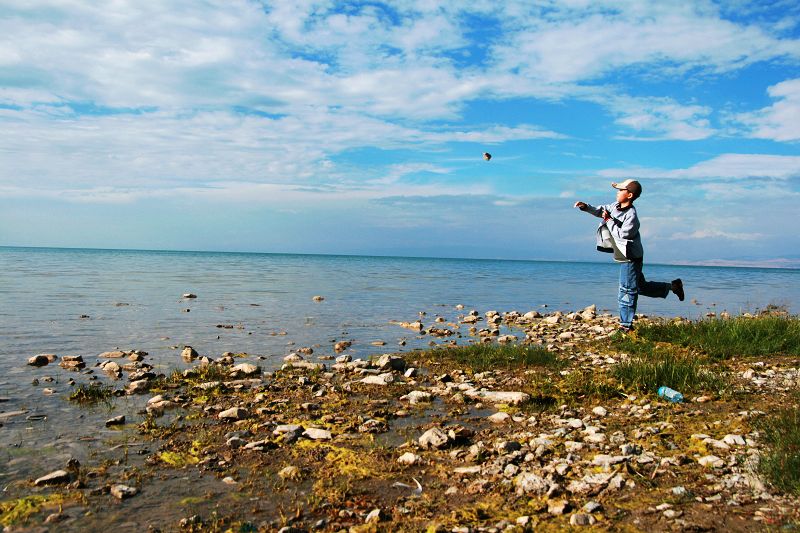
(682, 373)
(492, 356)
(780, 465)
(91, 394)
(724, 338)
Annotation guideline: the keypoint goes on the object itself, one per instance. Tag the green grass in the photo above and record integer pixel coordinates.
(724, 338)
(481, 357)
(91, 394)
(682, 373)
(780, 465)
(584, 384)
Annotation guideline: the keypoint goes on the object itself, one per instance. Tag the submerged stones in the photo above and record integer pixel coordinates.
(123, 491)
(42, 359)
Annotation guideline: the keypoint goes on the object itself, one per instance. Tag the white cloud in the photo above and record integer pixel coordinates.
(589, 40)
(781, 120)
(725, 166)
(661, 118)
(716, 234)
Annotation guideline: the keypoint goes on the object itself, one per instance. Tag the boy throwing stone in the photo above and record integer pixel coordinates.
(622, 222)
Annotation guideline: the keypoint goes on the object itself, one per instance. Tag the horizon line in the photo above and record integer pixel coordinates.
(713, 263)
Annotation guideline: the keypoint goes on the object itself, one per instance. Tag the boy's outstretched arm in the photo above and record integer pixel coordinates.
(596, 211)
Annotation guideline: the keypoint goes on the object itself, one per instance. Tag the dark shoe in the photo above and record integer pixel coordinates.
(625, 329)
(677, 288)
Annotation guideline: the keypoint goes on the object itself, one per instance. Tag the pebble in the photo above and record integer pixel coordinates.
(499, 418)
(581, 519)
(123, 491)
(600, 411)
(234, 413)
(408, 458)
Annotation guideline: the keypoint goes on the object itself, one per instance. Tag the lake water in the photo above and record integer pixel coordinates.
(84, 302)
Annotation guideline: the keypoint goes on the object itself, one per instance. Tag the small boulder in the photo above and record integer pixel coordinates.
(234, 413)
(123, 491)
(53, 478)
(434, 438)
(42, 359)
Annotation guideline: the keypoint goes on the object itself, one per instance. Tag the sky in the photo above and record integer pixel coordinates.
(359, 127)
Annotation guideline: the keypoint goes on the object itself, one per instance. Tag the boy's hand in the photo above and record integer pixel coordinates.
(604, 214)
(581, 205)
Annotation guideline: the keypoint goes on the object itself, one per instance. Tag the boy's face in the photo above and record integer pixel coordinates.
(624, 196)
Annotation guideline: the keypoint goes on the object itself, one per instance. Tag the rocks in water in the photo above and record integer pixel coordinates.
(417, 396)
(115, 421)
(318, 298)
(234, 413)
(72, 362)
(188, 295)
(121, 492)
(189, 354)
(42, 359)
(342, 346)
(53, 478)
(137, 387)
(112, 369)
(434, 438)
(414, 326)
(113, 354)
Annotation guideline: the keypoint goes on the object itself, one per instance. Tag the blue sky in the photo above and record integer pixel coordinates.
(358, 127)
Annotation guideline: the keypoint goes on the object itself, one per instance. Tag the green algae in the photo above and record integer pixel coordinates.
(17, 511)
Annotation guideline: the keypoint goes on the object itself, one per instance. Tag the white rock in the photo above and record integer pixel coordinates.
(408, 458)
(711, 461)
(510, 398)
(417, 396)
(382, 379)
(318, 434)
(608, 460)
(246, 369)
(600, 411)
(734, 440)
(467, 470)
(123, 491)
(530, 483)
(434, 438)
(499, 418)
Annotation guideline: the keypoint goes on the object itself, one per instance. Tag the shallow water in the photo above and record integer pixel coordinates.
(132, 300)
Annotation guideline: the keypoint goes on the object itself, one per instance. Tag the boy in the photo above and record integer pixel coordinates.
(621, 220)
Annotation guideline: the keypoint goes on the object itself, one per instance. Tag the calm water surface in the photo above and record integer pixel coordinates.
(84, 302)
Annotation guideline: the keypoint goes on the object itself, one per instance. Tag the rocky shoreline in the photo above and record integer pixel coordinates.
(422, 442)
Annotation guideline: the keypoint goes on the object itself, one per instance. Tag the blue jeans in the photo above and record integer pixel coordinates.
(631, 285)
